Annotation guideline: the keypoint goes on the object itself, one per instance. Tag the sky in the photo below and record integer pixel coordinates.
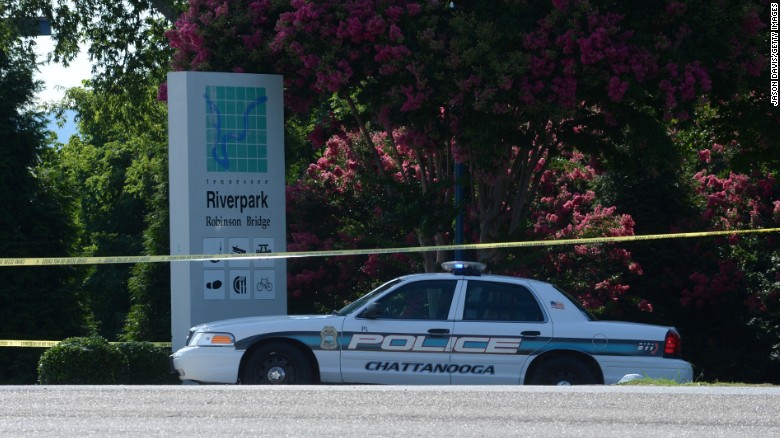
(57, 79)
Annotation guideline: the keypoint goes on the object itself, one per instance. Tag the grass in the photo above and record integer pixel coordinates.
(669, 382)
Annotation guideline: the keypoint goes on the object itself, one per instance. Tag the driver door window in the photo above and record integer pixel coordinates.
(425, 300)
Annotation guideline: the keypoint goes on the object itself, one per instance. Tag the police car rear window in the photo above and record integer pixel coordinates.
(492, 301)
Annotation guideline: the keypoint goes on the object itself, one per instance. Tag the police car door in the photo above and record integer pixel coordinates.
(402, 336)
(499, 325)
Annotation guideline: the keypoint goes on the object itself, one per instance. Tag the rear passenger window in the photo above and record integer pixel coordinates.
(488, 301)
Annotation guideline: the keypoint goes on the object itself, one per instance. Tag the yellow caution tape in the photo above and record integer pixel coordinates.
(49, 344)
(56, 261)
(34, 344)
(53, 261)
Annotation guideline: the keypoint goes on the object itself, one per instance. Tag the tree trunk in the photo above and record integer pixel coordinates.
(429, 257)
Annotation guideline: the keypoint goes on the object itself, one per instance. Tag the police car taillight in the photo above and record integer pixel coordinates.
(673, 344)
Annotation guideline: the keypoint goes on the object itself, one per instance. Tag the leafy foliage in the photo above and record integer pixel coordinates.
(734, 284)
(94, 361)
(124, 38)
(81, 361)
(572, 118)
(118, 166)
(504, 95)
(147, 364)
(35, 302)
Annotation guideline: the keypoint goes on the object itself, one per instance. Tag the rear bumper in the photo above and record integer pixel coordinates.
(615, 368)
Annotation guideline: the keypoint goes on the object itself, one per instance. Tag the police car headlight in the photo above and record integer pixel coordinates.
(206, 339)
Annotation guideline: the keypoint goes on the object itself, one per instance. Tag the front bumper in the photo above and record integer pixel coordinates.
(207, 364)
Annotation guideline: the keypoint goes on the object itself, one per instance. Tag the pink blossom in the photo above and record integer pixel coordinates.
(414, 99)
(395, 33)
(201, 58)
(645, 306)
(617, 89)
(566, 89)
(221, 10)
(561, 5)
(162, 92)
(413, 9)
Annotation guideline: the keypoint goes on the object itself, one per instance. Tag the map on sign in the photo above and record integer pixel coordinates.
(236, 132)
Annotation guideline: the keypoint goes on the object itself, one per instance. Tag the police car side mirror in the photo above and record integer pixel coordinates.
(373, 310)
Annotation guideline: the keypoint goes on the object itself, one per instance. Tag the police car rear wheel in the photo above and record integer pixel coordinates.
(563, 371)
(276, 364)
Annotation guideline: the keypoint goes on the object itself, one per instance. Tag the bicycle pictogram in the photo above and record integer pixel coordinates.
(265, 285)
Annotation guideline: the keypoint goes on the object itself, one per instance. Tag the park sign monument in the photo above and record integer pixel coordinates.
(227, 197)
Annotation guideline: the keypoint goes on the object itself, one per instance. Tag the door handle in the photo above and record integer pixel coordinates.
(530, 333)
(438, 331)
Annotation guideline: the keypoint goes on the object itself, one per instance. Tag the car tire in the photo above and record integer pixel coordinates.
(276, 364)
(563, 371)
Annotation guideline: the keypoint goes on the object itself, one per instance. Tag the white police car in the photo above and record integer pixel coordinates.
(459, 327)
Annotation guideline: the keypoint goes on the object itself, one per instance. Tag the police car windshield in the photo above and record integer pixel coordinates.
(366, 298)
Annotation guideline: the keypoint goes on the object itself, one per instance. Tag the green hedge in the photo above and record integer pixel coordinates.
(147, 364)
(95, 361)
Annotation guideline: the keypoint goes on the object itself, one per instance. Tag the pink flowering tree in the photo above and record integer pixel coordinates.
(547, 105)
(400, 91)
(503, 93)
(541, 79)
(320, 220)
(330, 208)
(355, 57)
(723, 293)
(567, 208)
(736, 279)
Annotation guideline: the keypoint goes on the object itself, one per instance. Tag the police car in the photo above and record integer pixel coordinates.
(458, 327)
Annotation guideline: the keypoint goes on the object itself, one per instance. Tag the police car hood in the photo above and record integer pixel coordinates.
(266, 324)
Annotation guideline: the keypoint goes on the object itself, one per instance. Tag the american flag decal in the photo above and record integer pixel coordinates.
(557, 305)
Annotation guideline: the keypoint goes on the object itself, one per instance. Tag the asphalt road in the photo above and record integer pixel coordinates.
(360, 411)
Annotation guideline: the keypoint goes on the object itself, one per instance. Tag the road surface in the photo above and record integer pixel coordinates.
(393, 411)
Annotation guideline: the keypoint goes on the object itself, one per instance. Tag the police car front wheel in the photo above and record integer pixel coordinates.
(276, 364)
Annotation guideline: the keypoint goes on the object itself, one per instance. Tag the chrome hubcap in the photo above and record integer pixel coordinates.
(276, 375)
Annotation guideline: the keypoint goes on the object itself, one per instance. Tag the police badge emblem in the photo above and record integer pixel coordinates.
(329, 335)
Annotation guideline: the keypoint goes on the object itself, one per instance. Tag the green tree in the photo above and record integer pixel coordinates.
(35, 302)
(118, 167)
(120, 209)
(123, 38)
